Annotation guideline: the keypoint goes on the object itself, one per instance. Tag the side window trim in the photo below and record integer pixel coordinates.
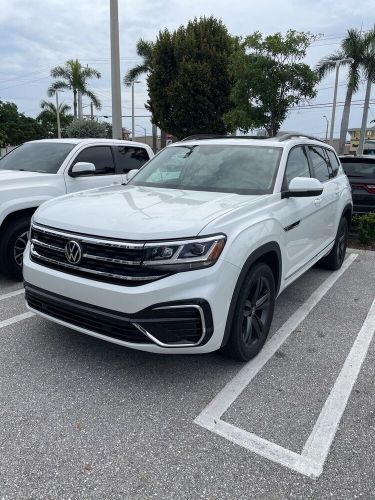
(73, 160)
(284, 185)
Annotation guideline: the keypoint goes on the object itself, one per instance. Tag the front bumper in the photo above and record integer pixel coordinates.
(182, 313)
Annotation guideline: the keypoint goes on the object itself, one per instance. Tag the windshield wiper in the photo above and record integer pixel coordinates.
(26, 170)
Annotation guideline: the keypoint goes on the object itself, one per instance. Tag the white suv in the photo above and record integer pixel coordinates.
(38, 171)
(190, 255)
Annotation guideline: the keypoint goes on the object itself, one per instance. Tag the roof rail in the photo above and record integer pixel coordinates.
(292, 135)
(202, 137)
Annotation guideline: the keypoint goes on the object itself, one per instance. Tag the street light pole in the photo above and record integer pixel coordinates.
(327, 124)
(58, 116)
(337, 64)
(115, 71)
(133, 117)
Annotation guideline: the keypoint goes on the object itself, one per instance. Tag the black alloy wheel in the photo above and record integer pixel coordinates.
(253, 314)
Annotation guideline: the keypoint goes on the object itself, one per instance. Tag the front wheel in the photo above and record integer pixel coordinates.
(253, 314)
(12, 246)
(336, 256)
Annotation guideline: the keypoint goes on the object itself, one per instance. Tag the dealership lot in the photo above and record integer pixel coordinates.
(82, 418)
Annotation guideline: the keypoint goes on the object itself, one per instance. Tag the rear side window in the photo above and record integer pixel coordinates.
(359, 169)
(130, 158)
(319, 163)
(100, 156)
(297, 165)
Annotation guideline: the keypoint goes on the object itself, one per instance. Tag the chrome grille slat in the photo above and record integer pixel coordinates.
(102, 259)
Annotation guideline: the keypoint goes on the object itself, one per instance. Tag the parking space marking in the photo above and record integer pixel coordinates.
(312, 459)
(12, 294)
(16, 319)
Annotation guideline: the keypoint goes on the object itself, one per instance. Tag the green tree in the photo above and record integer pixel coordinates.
(73, 76)
(189, 79)
(87, 129)
(16, 128)
(353, 47)
(269, 78)
(48, 117)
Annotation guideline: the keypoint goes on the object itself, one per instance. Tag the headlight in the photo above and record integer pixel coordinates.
(184, 255)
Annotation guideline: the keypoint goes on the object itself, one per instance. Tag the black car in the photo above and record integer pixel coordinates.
(361, 174)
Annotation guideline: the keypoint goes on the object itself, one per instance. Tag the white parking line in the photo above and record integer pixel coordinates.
(311, 461)
(20, 291)
(16, 319)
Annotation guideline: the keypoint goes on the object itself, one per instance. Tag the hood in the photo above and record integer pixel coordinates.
(8, 178)
(138, 213)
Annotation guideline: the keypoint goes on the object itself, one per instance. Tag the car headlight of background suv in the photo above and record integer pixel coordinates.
(184, 255)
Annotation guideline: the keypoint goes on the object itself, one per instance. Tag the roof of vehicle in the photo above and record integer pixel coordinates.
(74, 140)
(280, 142)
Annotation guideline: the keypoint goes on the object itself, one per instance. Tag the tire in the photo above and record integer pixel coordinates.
(251, 324)
(12, 244)
(336, 256)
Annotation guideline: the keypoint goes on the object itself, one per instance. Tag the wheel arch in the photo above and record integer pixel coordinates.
(270, 254)
(16, 214)
(348, 213)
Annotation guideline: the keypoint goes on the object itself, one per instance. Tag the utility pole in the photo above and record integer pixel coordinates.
(133, 122)
(366, 105)
(327, 124)
(58, 116)
(115, 71)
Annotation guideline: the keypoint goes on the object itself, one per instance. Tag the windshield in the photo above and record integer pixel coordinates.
(359, 168)
(225, 168)
(45, 157)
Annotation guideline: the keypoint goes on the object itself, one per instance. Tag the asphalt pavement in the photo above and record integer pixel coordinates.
(81, 418)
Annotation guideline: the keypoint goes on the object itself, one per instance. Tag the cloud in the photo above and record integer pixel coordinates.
(37, 35)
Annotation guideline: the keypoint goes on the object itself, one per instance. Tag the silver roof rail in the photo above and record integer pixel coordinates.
(296, 135)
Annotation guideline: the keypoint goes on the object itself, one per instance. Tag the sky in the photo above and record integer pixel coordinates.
(37, 35)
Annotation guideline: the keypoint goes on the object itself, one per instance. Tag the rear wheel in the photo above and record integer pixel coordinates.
(12, 246)
(336, 256)
(253, 314)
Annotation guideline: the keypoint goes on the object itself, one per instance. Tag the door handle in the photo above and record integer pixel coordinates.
(317, 201)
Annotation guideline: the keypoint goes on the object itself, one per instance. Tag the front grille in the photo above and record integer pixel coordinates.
(111, 261)
(168, 325)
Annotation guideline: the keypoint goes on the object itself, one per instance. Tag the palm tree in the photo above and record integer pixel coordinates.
(73, 76)
(50, 109)
(48, 117)
(369, 73)
(352, 47)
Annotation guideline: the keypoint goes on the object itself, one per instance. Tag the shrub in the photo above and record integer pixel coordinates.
(366, 227)
(84, 129)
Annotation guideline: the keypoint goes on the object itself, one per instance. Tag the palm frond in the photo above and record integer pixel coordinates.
(134, 73)
(90, 73)
(58, 85)
(95, 100)
(327, 64)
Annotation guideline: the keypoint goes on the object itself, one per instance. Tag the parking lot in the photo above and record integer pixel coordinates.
(82, 418)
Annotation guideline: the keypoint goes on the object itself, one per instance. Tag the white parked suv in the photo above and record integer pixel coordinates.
(190, 255)
(38, 171)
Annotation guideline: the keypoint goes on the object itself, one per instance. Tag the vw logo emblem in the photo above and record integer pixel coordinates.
(73, 252)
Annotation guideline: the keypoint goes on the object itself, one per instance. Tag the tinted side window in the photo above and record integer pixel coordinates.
(297, 165)
(130, 158)
(334, 162)
(101, 157)
(319, 163)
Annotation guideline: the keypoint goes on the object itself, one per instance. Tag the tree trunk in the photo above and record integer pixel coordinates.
(163, 139)
(154, 137)
(345, 119)
(75, 102)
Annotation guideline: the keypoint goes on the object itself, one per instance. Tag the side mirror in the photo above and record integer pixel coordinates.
(300, 187)
(131, 174)
(82, 168)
